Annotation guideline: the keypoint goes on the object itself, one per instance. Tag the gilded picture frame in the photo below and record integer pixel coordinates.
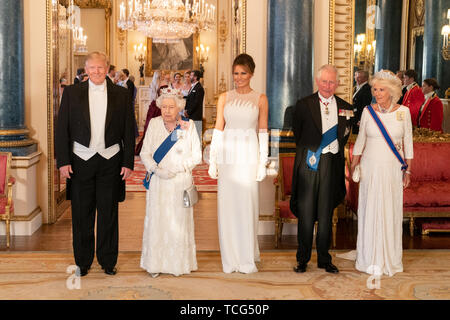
(154, 62)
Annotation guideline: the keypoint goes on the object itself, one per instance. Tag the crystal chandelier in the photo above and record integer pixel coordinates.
(167, 21)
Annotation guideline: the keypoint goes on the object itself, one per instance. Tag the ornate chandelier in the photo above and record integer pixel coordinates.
(167, 21)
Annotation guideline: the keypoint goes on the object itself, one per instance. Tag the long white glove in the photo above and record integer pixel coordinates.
(263, 138)
(164, 173)
(216, 143)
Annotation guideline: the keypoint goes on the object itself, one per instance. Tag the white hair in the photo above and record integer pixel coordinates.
(389, 80)
(329, 68)
(169, 93)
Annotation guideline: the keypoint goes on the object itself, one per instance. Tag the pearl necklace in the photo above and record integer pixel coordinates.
(383, 110)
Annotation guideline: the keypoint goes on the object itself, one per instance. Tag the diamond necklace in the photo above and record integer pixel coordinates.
(383, 110)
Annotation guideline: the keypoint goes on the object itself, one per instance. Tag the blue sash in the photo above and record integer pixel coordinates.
(387, 137)
(161, 152)
(313, 158)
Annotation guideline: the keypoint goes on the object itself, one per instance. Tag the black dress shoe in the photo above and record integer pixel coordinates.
(111, 271)
(329, 267)
(82, 271)
(300, 268)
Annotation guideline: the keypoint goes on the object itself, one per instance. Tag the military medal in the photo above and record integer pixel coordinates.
(312, 160)
(327, 112)
(400, 115)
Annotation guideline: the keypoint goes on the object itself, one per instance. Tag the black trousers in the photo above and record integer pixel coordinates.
(315, 203)
(95, 185)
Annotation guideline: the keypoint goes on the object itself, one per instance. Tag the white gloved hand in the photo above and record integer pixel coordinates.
(263, 138)
(216, 143)
(164, 173)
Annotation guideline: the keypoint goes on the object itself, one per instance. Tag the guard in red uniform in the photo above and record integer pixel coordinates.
(431, 113)
(414, 97)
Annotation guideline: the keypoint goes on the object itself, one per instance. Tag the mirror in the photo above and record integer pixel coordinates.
(364, 35)
(67, 48)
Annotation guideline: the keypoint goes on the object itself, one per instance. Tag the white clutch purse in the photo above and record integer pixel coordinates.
(190, 196)
(356, 174)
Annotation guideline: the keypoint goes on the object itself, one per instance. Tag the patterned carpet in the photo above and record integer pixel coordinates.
(201, 179)
(43, 275)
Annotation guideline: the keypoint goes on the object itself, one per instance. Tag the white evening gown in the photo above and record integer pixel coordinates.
(168, 244)
(238, 195)
(380, 202)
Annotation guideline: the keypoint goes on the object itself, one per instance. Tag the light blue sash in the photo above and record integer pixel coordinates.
(387, 137)
(313, 158)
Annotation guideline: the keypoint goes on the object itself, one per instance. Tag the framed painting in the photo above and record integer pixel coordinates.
(172, 56)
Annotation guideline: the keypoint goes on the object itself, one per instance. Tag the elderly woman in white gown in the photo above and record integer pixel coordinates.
(380, 202)
(168, 244)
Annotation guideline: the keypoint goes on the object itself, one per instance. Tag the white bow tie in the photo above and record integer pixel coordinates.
(95, 87)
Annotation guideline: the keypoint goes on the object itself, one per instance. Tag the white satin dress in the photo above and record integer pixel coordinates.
(238, 193)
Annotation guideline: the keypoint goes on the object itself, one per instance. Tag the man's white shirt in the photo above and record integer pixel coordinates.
(98, 102)
(328, 121)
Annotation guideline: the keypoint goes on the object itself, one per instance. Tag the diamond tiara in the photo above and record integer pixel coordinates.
(172, 92)
(387, 75)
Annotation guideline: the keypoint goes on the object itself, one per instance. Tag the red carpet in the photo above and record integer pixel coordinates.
(201, 179)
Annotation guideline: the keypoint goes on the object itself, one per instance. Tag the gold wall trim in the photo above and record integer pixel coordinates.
(244, 26)
(14, 132)
(282, 133)
(17, 143)
(50, 140)
(340, 46)
(28, 217)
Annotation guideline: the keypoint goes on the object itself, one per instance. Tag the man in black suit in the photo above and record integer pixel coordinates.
(194, 101)
(79, 76)
(95, 153)
(362, 96)
(318, 184)
(130, 84)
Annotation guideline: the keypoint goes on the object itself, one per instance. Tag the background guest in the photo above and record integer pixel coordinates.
(194, 101)
(187, 83)
(112, 74)
(413, 98)
(362, 96)
(177, 84)
(153, 111)
(79, 76)
(431, 113)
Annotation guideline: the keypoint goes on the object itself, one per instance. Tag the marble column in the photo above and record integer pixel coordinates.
(434, 65)
(289, 57)
(13, 133)
(388, 35)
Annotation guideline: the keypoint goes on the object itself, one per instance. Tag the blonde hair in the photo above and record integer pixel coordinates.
(97, 55)
(389, 80)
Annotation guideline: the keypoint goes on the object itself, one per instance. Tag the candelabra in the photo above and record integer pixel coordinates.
(79, 40)
(364, 53)
(139, 55)
(445, 45)
(202, 56)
